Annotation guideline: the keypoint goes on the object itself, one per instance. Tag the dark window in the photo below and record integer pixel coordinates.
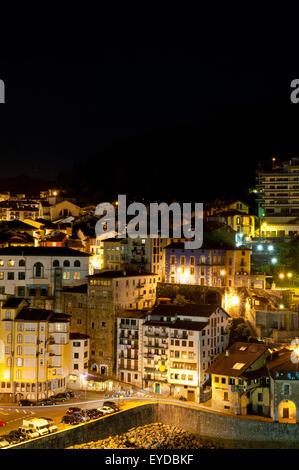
(55, 263)
(66, 263)
(22, 262)
(21, 276)
(10, 276)
(77, 263)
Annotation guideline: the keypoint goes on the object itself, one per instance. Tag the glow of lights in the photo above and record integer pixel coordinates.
(234, 300)
(274, 260)
(55, 193)
(260, 247)
(270, 248)
(264, 224)
(290, 275)
(295, 352)
(222, 272)
(281, 306)
(281, 276)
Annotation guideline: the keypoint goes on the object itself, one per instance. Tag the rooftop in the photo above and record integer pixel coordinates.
(237, 360)
(41, 251)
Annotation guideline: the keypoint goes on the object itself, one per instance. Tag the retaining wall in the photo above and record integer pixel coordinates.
(199, 422)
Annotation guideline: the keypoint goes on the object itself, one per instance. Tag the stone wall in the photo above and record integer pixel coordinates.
(199, 422)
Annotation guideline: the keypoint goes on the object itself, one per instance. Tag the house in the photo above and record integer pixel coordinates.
(39, 273)
(239, 380)
(283, 370)
(79, 357)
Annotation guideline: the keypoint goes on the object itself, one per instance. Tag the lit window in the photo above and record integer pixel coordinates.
(238, 365)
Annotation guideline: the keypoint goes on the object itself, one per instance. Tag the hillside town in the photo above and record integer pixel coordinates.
(217, 325)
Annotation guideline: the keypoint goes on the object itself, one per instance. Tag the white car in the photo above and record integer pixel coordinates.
(106, 410)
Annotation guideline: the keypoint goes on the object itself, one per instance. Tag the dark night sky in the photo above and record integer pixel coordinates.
(197, 95)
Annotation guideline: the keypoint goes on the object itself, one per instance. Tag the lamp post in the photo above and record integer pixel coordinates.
(84, 382)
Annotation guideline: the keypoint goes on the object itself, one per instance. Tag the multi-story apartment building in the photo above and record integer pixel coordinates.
(278, 191)
(129, 346)
(34, 351)
(79, 357)
(39, 273)
(214, 264)
(108, 293)
(179, 344)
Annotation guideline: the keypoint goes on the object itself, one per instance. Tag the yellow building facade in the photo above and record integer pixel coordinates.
(34, 351)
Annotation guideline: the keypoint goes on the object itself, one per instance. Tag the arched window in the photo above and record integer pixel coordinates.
(22, 262)
(66, 263)
(8, 362)
(77, 263)
(38, 270)
(55, 263)
(19, 339)
(11, 262)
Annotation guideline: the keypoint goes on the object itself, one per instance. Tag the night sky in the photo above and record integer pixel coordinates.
(160, 108)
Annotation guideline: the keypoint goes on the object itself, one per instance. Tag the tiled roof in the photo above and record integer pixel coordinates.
(241, 356)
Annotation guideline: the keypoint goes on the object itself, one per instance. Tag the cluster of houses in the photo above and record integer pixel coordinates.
(81, 310)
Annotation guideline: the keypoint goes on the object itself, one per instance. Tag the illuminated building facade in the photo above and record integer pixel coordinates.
(34, 351)
(214, 264)
(40, 273)
(240, 382)
(179, 344)
(108, 293)
(129, 346)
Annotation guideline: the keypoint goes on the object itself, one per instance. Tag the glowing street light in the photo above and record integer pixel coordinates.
(290, 275)
(274, 260)
(222, 272)
(281, 276)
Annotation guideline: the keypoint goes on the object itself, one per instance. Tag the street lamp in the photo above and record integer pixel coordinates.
(83, 378)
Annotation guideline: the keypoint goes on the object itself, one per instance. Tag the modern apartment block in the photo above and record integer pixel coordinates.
(34, 351)
(109, 292)
(40, 273)
(278, 191)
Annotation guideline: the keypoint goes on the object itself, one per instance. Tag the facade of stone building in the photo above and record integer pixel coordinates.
(108, 293)
(74, 302)
(284, 386)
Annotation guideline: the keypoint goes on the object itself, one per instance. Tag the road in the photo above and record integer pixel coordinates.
(14, 414)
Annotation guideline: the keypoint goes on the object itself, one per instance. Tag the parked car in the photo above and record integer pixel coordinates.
(26, 403)
(106, 410)
(17, 436)
(2, 423)
(46, 402)
(73, 409)
(70, 394)
(93, 413)
(3, 442)
(11, 439)
(29, 432)
(81, 416)
(60, 397)
(111, 404)
(69, 419)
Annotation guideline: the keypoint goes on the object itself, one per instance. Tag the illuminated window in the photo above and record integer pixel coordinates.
(238, 365)
(11, 262)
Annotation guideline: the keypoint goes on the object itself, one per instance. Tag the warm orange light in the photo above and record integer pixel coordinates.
(281, 276)
(290, 275)
(222, 272)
